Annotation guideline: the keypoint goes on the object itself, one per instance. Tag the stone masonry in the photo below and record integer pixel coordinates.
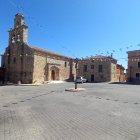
(99, 69)
(29, 64)
(134, 66)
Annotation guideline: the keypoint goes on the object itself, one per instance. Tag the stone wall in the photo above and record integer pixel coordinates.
(133, 59)
(18, 60)
(120, 75)
(44, 64)
(108, 72)
(113, 73)
(39, 68)
(64, 71)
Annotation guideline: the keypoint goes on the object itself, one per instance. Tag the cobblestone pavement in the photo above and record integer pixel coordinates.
(102, 112)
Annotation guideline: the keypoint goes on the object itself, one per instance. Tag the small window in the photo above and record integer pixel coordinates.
(100, 68)
(137, 75)
(85, 68)
(65, 64)
(92, 66)
(138, 64)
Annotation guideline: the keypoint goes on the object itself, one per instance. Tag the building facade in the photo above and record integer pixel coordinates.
(30, 64)
(120, 75)
(133, 74)
(99, 69)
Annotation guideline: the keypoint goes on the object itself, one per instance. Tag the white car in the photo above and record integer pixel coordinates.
(80, 79)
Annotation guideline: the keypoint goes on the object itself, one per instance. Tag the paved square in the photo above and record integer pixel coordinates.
(102, 112)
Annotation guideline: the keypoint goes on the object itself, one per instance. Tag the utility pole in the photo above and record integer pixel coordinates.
(76, 60)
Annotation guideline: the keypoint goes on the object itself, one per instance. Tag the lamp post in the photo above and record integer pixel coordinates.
(76, 60)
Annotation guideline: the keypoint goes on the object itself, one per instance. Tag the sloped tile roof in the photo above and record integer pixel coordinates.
(48, 52)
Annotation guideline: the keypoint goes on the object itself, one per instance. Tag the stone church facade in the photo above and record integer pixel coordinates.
(30, 64)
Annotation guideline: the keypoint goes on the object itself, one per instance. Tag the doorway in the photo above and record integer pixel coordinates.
(92, 78)
(53, 75)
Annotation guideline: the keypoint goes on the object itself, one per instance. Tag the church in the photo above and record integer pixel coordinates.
(30, 64)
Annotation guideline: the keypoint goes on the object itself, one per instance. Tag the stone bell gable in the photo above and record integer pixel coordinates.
(18, 55)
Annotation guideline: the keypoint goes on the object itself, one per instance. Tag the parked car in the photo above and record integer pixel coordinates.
(80, 79)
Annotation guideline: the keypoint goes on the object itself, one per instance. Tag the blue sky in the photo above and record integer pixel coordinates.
(77, 28)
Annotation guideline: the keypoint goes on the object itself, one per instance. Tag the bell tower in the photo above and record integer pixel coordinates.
(18, 59)
(20, 32)
(19, 20)
(14, 55)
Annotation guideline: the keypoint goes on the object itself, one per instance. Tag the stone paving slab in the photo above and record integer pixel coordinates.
(101, 112)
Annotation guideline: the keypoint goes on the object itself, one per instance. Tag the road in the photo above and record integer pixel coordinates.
(102, 112)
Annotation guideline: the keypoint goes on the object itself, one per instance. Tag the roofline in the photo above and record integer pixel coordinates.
(133, 51)
(100, 57)
(118, 65)
(48, 52)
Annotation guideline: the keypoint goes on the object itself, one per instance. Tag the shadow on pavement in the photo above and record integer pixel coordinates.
(125, 83)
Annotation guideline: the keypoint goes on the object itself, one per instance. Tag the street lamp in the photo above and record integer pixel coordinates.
(76, 60)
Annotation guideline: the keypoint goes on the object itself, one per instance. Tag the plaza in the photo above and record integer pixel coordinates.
(103, 111)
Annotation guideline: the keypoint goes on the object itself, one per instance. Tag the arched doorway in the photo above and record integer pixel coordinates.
(53, 75)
